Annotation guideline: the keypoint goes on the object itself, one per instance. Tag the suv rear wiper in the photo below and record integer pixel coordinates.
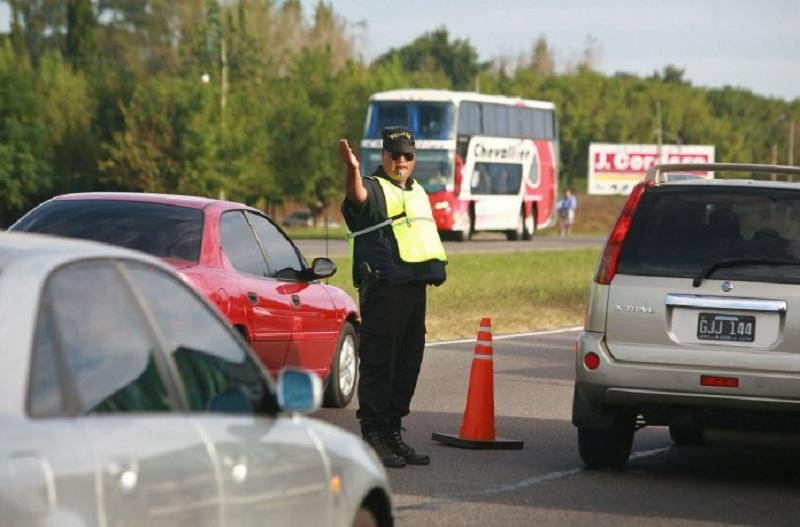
(736, 262)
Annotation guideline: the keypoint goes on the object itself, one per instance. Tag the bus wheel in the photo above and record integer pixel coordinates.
(471, 232)
(519, 232)
(529, 225)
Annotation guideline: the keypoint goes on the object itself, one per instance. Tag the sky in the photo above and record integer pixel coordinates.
(752, 44)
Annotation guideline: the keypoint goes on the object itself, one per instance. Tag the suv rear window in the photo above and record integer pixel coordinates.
(681, 230)
(165, 231)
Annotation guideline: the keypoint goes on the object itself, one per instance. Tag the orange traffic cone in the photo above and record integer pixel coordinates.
(477, 429)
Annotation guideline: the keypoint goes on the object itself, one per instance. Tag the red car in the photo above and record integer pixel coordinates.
(241, 260)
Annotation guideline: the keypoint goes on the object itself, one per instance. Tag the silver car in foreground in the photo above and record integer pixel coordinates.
(693, 319)
(125, 399)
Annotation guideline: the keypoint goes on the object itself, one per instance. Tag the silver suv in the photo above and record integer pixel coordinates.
(693, 319)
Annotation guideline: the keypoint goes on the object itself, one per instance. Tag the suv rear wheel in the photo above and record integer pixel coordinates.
(686, 434)
(607, 448)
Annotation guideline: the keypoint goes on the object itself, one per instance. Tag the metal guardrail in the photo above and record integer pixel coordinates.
(657, 173)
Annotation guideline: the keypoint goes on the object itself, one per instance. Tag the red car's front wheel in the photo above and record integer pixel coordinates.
(340, 386)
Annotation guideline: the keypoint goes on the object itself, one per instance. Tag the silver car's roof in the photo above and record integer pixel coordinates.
(25, 262)
(37, 253)
(758, 183)
(682, 174)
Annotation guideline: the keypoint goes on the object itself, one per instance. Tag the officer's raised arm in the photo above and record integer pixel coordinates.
(353, 186)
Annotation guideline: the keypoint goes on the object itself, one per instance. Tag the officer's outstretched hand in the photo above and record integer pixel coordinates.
(347, 155)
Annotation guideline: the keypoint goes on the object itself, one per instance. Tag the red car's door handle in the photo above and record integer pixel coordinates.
(295, 300)
(252, 297)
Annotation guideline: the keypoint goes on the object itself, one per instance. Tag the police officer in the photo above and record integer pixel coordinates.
(396, 253)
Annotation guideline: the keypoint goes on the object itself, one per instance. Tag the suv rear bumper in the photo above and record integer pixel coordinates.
(670, 394)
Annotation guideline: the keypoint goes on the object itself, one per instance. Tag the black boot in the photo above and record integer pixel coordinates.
(374, 437)
(396, 444)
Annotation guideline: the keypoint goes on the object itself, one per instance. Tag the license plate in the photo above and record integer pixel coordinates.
(719, 326)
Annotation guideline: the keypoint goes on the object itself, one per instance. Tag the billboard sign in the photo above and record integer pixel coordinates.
(616, 168)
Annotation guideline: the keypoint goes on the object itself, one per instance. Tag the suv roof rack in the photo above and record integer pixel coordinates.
(658, 173)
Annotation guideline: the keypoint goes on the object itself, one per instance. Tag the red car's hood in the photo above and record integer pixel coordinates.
(178, 263)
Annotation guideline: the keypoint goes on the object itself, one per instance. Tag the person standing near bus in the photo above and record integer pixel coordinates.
(396, 254)
(566, 212)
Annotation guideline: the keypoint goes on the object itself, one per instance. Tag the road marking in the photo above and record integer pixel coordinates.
(524, 483)
(648, 453)
(438, 501)
(552, 475)
(504, 337)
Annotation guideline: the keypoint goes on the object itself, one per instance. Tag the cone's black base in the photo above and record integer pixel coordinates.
(498, 443)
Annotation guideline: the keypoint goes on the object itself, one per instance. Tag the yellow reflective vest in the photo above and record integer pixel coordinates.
(410, 217)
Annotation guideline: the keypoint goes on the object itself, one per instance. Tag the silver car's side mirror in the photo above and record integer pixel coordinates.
(299, 391)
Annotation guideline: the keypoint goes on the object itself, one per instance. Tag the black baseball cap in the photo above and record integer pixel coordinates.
(398, 140)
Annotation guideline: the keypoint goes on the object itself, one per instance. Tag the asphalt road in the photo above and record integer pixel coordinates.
(545, 483)
(484, 242)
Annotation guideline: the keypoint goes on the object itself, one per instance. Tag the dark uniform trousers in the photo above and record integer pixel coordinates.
(391, 347)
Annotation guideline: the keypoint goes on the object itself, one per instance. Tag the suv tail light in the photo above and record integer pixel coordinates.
(607, 267)
(719, 382)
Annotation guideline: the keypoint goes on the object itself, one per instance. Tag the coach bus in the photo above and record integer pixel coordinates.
(488, 162)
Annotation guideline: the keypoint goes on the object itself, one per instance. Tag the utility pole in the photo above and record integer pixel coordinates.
(659, 131)
(223, 100)
(790, 156)
(774, 177)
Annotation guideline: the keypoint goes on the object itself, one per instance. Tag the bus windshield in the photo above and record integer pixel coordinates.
(433, 170)
(428, 120)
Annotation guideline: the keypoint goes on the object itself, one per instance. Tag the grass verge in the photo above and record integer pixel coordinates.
(521, 291)
(594, 217)
(315, 233)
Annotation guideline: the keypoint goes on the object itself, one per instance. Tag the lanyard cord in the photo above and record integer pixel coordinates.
(403, 200)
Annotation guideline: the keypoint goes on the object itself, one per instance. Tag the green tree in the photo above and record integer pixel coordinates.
(329, 32)
(671, 74)
(433, 52)
(40, 23)
(26, 160)
(542, 61)
(66, 109)
(81, 44)
(306, 127)
(146, 155)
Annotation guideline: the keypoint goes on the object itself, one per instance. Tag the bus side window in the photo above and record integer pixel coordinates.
(500, 182)
(390, 114)
(551, 124)
(435, 120)
(543, 124)
(469, 118)
(502, 120)
(516, 121)
(481, 183)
